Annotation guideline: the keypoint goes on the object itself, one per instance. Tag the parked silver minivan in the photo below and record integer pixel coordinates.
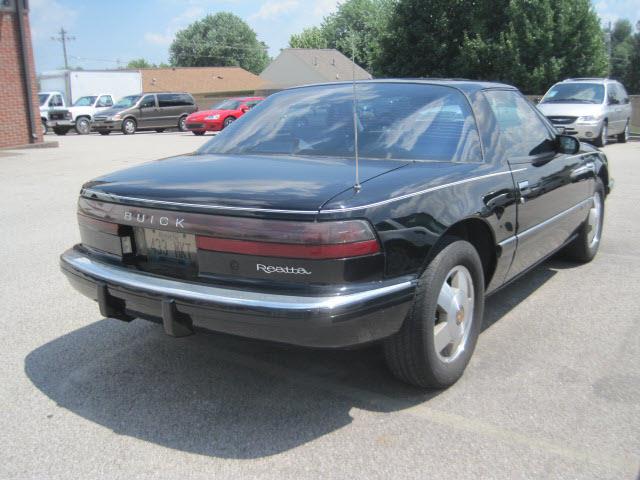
(589, 108)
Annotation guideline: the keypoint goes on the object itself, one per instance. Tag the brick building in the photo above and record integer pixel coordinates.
(19, 113)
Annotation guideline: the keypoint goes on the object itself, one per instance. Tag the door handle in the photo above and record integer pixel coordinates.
(522, 186)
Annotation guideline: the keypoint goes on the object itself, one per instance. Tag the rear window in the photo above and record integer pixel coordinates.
(174, 100)
(394, 121)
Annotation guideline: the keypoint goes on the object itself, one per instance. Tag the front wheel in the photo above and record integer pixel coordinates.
(83, 126)
(601, 140)
(159, 130)
(585, 247)
(129, 126)
(104, 132)
(624, 136)
(438, 337)
(195, 132)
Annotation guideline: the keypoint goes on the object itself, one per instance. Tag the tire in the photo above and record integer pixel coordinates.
(228, 121)
(182, 124)
(104, 132)
(159, 130)
(411, 354)
(601, 140)
(129, 126)
(83, 126)
(60, 130)
(44, 126)
(585, 247)
(198, 133)
(624, 136)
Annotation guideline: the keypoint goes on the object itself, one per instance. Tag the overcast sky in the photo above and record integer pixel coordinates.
(118, 30)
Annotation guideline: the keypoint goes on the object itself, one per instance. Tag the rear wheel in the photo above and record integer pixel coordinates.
(182, 124)
(601, 139)
(438, 337)
(585, 247)
(228, 121)
(624, 136)
(83, 126)
(129, 126)
(60, 130)
(198, 133)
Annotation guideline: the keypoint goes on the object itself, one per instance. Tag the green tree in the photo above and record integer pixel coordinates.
(222, 39)
(356, 28)
(312, 37)
(139, 63)
(632, 79)
(526, 43)
(622, 43)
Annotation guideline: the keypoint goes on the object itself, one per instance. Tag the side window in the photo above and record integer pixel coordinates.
(185, 99)
(166, 100)
(252, 103)
(613, 95)
(148, 102)
(105, 101)
(522, 131)
(624, 96)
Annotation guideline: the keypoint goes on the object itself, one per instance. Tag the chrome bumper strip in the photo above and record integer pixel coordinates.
(76, 262)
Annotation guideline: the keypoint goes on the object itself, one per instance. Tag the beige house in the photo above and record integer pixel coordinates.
(300, 66)
(206, 84)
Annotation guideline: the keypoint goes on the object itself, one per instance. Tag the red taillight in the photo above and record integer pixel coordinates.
(322, 240)
(99, 225)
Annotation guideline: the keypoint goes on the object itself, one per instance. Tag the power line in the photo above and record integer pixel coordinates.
(63, 37)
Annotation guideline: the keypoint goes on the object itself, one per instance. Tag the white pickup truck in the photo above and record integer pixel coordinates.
(47, 101)
(79, 115)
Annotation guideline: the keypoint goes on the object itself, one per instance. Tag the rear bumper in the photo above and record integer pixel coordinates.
(315, 321)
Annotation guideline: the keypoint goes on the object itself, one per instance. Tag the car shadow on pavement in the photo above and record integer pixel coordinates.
(219, 395)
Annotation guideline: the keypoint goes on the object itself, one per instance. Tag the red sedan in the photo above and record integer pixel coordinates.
(221, 115)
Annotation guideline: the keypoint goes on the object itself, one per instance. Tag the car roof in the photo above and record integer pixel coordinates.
(589, 80)
(466, 86)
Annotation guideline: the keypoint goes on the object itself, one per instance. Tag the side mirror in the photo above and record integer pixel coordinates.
(568, 144)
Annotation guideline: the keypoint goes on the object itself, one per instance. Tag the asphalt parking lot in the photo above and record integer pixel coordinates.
(551, 392)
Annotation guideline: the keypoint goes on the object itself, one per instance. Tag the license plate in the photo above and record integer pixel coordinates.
(173, 247)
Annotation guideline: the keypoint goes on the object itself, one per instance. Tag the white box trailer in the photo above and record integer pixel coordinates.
(79, 83)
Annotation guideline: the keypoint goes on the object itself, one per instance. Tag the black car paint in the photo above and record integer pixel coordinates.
(412, 205)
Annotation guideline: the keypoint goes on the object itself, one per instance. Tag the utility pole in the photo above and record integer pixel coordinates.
(63, 37)
(608, 39)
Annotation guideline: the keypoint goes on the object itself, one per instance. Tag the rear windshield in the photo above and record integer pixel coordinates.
(394, 121)
(575, 93)
(126, 102)
(84, 101)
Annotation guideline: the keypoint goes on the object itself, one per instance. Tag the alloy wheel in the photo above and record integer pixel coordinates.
(595, 221)
(129, 126)
(454, 314)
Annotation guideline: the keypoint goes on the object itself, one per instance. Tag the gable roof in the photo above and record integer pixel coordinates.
(308, 65)
(199, 79)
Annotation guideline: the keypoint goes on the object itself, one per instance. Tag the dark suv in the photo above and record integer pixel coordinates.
(146, 111)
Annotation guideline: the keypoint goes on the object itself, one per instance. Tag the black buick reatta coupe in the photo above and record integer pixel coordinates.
(343, 214)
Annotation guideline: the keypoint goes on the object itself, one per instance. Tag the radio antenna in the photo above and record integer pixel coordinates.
(357, 187)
